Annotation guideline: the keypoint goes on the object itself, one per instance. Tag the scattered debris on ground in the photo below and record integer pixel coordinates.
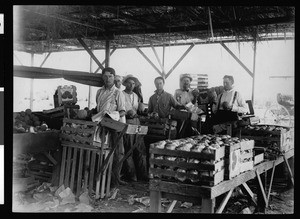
(135, 198)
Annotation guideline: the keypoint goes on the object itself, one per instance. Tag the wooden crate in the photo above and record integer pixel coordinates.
(82, 158)
(169, 169)
(237, 157)
(79, 167)
(159, 127)
(258, 155)
(232, 161)
(284, 139)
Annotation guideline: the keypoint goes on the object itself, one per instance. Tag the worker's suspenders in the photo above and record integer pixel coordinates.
(223, 115)
(234, 97)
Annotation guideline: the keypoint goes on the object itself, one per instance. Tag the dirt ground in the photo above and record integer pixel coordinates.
(134, 198)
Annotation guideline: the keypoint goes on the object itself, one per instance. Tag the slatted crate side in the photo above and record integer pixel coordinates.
(245, 166)
(78, 130)
(76, 138)
(79, 167)
(187, 177)
(246, 155)
(232, 164)
(216, 155)
(246, 145)
(80, 122)
(188, 166)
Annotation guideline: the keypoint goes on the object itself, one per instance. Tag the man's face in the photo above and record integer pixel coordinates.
(159, 84)
(130, 84)
(227, 84)
(118, 82)
(108, 78)
(186, 82)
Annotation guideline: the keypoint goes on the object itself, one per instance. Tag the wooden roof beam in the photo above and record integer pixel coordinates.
(90, 52)
(217, 26)
(237, 59)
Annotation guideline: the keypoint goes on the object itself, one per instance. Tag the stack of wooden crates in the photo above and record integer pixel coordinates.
(82, 158)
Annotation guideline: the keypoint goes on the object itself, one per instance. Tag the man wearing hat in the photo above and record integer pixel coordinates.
(109, 99)
(134, 167)
(185, 95)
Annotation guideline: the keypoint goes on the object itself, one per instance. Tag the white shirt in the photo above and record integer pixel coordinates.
(239, 104)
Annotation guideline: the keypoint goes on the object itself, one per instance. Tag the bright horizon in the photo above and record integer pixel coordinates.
(273, 58)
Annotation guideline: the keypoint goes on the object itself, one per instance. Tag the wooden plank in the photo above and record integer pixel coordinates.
(171, 206)
(136, 129)
(249, 192)
(86, 169)
(179, 60)
(98, 179)
(49, 156)
(67, 177)
(109, 177)
(244, 177)
(73, 169)
(114, 125)
(155, 201)
(270, 186)
(102, 195)
(62, 167)
(262, 190)
(79, 145)
(81, 122)
(218, 154)
(79, 176)
(208, 205)
(77, 138)
(236, 58)
(179, 188)
(92, 172)
(186, 165)
(224, 201)
(90, 52)
(289, 170)
(78, 130)
(148, 60)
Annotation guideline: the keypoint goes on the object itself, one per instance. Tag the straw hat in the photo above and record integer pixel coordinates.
(136, 81)
(186, 76)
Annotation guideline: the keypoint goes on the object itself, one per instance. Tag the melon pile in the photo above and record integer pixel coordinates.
(26, 121)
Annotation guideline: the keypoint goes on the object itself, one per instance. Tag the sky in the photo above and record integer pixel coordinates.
(273, 58)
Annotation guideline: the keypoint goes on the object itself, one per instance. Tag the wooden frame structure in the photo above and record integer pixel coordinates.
(207, 195)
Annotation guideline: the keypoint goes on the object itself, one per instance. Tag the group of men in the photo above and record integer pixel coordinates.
(128, 105)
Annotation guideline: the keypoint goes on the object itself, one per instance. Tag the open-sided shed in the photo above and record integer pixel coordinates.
(53, 28)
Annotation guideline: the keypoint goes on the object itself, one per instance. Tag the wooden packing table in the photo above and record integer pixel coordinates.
(205, 194)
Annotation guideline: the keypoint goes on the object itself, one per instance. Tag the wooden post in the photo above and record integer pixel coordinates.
(224, 201)
(253, 71)
(90, 88)
(163, 62)
(155, 201)
(208, 205)
(261, 196)
(31, 84)
(107, 56)
(151, 63)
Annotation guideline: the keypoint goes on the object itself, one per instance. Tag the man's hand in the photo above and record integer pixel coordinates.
(130, 114)
(196, 92)
(226, 106)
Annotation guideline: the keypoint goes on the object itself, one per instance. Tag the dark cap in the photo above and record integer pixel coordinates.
(111, 70)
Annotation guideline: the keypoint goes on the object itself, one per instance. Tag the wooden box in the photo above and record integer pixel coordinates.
(159, 127)
(232, 161)
(258, 155)
(280, 137)
(176, 165)
(180, 115)
(80, 132)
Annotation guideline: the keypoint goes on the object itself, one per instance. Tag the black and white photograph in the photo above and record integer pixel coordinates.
(153, 109)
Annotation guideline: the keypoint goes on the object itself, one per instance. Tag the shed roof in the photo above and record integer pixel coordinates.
(50, 28)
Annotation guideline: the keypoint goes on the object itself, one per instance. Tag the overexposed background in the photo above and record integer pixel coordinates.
(273, 58)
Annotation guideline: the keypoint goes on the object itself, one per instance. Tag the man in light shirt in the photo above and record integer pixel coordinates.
(230, 103)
